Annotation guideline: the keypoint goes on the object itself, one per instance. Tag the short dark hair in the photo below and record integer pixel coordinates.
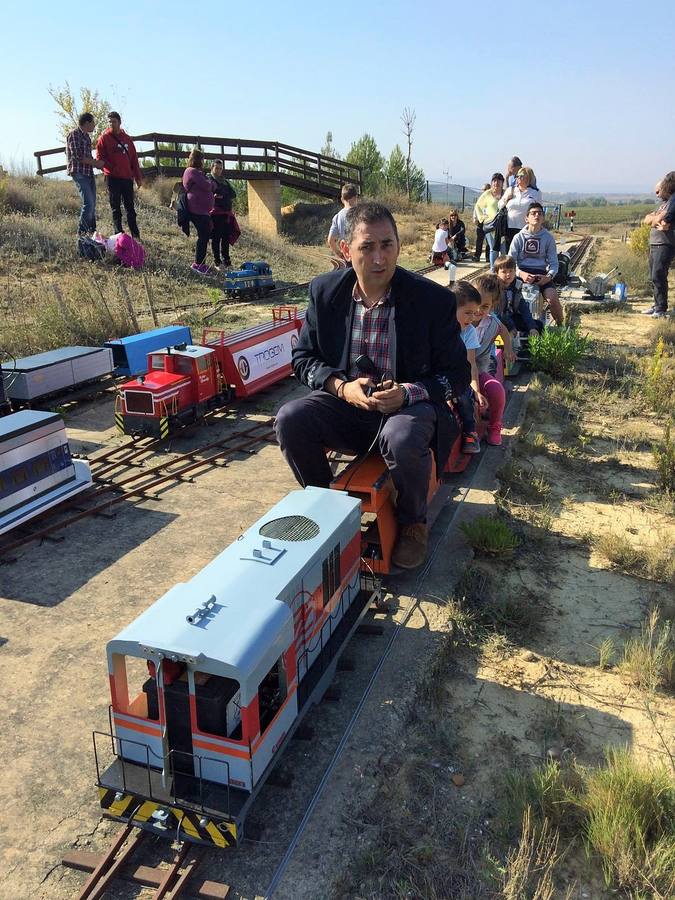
(85, 119)
(505, 262)
(488, 284)
(367, 213)
(667, 185)
(535, 205)
(114, 115)
(466, 293)
(516, 161)
(497, 177)
(349, 191)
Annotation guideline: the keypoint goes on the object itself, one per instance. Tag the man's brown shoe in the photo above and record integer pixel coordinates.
(411, 547)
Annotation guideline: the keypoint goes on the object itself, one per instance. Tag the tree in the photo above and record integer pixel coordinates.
(328, 148)
(69, 110)
(408, 119)
(406, 179)
(364, 153)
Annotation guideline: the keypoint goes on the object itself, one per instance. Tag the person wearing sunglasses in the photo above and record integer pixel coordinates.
(517, 201)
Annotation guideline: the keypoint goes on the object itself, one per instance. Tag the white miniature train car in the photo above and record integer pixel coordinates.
(210, 682)
(36, 469)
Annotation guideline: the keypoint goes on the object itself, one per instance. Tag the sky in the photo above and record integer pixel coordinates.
(583, 92)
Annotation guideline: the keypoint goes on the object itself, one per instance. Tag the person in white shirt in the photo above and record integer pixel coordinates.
(439, 248)
(517, 201)
(349, 196)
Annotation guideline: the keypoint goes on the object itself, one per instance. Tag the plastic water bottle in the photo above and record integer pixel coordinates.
(620, 291)
(452, 272)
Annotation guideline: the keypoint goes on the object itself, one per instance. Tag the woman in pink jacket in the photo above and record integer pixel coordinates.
(199, 203)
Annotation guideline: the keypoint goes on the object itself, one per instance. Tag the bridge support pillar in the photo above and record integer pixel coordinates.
(264, 205)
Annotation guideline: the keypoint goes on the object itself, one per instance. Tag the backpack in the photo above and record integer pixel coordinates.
(129, 251)
(88, 248)
(179, 202)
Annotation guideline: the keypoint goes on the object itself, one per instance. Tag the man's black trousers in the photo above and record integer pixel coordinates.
(122, 189)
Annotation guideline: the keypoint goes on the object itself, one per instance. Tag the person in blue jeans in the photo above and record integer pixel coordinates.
(661, 244)
(81, 165)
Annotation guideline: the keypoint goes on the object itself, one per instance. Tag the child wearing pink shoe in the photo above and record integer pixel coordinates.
(488, 326)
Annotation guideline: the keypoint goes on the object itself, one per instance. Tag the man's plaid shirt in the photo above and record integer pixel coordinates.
(78, 144)
(370, 337)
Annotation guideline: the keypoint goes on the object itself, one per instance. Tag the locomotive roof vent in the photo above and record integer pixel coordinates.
(290, 528)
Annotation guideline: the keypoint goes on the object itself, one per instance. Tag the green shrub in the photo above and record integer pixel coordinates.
(624, 811)
(557, 350)
(649, 660)
(634, 268)
(660, 380)
(490, 535)
(664, 457)
(639, 239)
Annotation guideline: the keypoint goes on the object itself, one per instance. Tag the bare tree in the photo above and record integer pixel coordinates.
(408, 119)
(68, 109)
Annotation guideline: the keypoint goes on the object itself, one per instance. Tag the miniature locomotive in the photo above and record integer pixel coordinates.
(36, 468)
(254, 279)
(209, 684)
(185, 381)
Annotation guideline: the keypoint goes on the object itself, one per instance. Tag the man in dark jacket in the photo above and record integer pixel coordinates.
(381, 350)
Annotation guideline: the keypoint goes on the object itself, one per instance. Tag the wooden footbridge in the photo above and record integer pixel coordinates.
(264, 165)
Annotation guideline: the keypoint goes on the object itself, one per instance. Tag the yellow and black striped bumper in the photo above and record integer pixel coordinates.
(187, 824)
(163, 427)
(119, 422)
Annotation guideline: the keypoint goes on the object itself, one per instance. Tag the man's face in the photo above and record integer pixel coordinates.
(115, 125)
(373, 252)
(496, 184)
(506, 276)
(467, 314)
(217, 170)
(657, 188)
(535, 219)
(88, 127)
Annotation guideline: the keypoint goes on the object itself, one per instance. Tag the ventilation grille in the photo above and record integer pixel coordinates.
(290, 528)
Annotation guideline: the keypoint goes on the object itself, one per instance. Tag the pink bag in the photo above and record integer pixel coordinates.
(129, 251)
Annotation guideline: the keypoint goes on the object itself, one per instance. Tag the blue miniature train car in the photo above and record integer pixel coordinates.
(130, 354)
(254, 279)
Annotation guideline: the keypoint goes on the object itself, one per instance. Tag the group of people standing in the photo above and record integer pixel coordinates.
(116, 156)
(209, 197)
(209, 208)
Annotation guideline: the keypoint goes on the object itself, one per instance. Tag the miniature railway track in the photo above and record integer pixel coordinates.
(580, 250)
(169, 881)
(108, 491)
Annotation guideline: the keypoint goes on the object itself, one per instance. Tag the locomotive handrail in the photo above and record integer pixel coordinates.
(331, 616)
(114, 738)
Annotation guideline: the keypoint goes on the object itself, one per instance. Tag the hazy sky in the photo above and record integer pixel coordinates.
(584, 92)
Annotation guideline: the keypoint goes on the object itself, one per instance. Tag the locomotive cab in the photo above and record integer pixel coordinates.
(182, 382)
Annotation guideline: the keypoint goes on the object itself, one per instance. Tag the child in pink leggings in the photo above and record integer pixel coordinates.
(488, 326)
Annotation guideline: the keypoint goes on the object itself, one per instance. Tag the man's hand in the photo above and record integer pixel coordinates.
(139, 183)
(509, 355)
(354, 392)
(388, 399)
(528, 277)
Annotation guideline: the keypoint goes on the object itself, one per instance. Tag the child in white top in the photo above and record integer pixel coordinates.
(468, 302)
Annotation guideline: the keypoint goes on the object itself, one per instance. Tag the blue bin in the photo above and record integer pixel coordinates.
(130, 354)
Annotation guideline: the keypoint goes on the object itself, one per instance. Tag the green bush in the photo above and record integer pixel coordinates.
(557, 351)
(490, 536)
(639, 239)
(664, 457)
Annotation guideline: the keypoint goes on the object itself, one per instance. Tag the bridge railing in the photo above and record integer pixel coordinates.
(242, 158)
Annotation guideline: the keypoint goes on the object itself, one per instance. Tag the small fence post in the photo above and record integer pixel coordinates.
(428, 194)
(157, 161)
(463, 197)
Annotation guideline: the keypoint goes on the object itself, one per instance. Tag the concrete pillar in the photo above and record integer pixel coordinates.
(264, 205)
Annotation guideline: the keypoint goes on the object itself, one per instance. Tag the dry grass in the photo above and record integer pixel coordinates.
(649, 562)
(649, 660)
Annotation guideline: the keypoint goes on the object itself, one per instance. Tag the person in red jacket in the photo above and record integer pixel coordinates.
(116, 151)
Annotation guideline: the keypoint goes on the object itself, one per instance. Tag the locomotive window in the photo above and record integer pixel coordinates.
(157, 361)
(218, 702)
(40, 467)
(272, 693)
(135, 687)
(20, 475)
(203, 363)
(183, 365)
(330, 574)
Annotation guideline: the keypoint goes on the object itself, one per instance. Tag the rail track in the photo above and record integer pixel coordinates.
(115, 481)
(117, 863)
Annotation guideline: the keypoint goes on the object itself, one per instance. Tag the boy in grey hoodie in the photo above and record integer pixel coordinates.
(536, 256)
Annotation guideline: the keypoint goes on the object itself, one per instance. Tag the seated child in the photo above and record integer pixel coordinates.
(439, 249)
(514, 310)
(456, 237)
(536, 258)
(468, 302)
(488, 327)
